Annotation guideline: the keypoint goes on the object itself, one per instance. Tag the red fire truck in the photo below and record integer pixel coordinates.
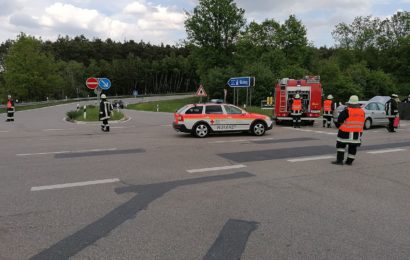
(310, 91)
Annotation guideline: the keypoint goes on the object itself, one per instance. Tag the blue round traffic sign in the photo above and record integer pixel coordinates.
(104, 83)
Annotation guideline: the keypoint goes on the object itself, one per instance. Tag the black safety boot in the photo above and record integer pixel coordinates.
(107, 128)
(349, 161)
(337, 162)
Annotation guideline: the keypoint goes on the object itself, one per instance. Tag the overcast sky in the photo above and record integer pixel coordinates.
(159, 21)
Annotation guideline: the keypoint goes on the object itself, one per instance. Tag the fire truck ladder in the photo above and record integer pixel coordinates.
(282, 100)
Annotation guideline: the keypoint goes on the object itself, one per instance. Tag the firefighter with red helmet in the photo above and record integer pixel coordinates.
(351, 122)
(296, 111)
(328, 108)
(10, 109)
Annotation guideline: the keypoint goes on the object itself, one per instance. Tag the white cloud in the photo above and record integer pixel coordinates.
(137, 7)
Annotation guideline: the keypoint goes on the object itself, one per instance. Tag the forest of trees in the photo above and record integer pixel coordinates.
(371, 57)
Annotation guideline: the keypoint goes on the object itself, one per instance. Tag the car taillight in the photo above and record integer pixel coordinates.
(180, 118)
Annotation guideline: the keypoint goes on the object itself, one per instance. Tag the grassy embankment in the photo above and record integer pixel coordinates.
(173, 105)
(92, 115)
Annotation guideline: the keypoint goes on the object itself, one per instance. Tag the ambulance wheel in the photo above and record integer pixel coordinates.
(201, 130)
(367, 124)
(258, 128)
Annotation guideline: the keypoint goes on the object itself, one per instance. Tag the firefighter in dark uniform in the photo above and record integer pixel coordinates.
(392, 110)
(351, 122)
(296, 111)
(10, 109)
(328, 108)
(105, 113)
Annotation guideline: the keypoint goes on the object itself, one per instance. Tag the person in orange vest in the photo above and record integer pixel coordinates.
(328, 108)
(296, 112)
(10, 109)
(351, 121)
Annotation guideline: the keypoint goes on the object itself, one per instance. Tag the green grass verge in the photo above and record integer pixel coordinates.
(92, 115)
(173, 105)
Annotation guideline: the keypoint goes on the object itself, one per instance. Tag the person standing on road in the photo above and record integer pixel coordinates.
(105, 113)
(392, 111)
(296, 112)
(10, 109)
(328, 107)
(351, 121)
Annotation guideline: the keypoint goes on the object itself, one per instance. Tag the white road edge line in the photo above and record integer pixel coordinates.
(74, 184)
(217, 168)
(57, 129)
(62, 152)
(313, 158)
(386, 151)
(241, 140)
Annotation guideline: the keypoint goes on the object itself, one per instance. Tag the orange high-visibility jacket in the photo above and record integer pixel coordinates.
(327, 105)
(297, 105)
(354, 123)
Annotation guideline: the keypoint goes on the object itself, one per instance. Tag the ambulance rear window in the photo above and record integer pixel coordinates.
(194, 110)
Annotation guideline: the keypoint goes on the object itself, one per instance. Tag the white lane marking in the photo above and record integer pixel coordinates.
(4, 131)
(313, 158)
(166, 125)
(118, 127)
(56, 129)
(313, 131)
(386, 151)
(74, 184)
(62, 152)
(240, 140)
(238, 166)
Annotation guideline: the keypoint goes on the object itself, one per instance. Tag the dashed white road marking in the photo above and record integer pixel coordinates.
(386, 151)
(238, 166)
(312, 158)
(74, 184)
(166, 125)
(57, 129)
(63, 152)
(4, 131)
(240, 140)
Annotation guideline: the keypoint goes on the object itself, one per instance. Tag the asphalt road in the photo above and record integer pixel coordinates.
(144, 191)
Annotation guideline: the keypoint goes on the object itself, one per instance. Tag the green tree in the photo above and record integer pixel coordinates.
(213, 29)
(30, 74)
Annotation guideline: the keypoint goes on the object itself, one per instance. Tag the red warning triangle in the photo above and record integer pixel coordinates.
(201, 92)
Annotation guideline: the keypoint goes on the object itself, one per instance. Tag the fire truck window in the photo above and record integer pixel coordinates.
(194, 110)
(213, 110)
(232, 110)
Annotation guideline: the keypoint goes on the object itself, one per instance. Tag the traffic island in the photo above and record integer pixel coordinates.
(91, 114)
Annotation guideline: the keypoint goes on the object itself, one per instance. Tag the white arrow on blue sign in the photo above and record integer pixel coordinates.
(241, 82)
(104, 83)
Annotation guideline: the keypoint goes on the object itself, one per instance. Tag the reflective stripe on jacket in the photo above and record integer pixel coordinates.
(354, 123)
